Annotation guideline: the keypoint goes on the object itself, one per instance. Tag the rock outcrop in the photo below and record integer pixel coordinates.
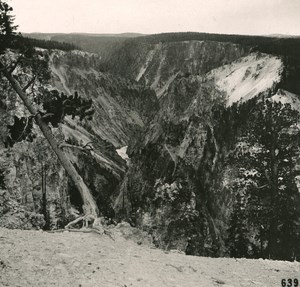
(157, 64)
(179, 186)
(183, 109)
(35, 191)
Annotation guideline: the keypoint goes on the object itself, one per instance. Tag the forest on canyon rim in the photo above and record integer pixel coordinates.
(212, 128)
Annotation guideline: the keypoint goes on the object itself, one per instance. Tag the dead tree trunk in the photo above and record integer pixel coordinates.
(44, 196)
(89, 205)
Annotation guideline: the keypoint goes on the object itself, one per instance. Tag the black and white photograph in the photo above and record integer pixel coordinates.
(150, 143)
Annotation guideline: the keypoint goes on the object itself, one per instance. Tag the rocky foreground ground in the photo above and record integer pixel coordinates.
(37, 258)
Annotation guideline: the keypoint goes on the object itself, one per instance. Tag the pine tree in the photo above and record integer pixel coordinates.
(269, 164)
(7, 28)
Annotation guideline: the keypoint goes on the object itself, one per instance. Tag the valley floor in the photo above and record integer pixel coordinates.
(37, 258)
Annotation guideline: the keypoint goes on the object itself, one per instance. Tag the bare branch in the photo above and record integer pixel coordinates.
(75, 146)
(29, 83)
(27, 122)
(88, 145)
(263, 186)
(47, 115)
(271, 183)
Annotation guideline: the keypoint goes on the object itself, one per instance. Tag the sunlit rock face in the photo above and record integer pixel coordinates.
(247, 77)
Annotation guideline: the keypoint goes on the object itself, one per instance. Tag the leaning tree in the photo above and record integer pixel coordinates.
(14, 57)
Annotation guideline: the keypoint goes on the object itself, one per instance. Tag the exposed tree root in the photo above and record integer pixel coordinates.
(86, 219)
(82, 230)
(90, 223)
(85, 230)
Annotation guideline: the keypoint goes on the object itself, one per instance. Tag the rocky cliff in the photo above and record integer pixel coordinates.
(121, 106)
(191, 113)
(181, 183)
(35, 190)
(157, 64)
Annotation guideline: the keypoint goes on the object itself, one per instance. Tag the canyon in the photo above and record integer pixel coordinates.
(169, 117)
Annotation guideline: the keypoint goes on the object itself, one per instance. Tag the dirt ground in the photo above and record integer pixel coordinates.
(37, 258)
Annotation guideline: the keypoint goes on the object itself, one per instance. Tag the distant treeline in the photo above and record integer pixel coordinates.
(49, 44)
(22, 42)
(272, 45)
(102, 45)
(105, 46)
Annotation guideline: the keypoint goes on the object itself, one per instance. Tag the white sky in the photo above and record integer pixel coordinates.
(155, 16)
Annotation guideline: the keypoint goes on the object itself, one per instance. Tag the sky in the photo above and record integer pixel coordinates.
(252, 17)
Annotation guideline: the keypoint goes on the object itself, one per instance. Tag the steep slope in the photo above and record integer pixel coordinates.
(121, 106)
(34, 187)
(157, 64)
(248, 77)
(180, 182)
(161, 190)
